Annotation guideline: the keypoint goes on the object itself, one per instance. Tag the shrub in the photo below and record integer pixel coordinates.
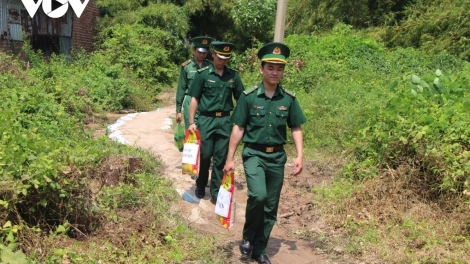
(424, 125)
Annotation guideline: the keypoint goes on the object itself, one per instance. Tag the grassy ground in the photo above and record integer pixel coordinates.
(134, 216)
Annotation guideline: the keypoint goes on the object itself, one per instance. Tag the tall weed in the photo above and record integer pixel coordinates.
(425, 123)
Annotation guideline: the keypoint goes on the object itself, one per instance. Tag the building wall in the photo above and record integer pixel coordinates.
(83, 28)
(10, 22)
(14, 18)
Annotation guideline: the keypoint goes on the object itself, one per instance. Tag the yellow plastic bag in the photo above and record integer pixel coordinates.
(191, 149)
(225, 206)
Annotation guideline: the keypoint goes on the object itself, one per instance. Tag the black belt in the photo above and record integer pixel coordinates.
(216, 114)
(265, 148)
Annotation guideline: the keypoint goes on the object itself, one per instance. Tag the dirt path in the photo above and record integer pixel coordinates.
(152, 131)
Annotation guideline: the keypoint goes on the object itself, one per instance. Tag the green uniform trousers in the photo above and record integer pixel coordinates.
(264, 176)
(186, 102)
(215, 135)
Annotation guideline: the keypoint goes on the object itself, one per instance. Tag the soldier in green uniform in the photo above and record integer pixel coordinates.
(187, 71)
(261, 118)
(211, 91)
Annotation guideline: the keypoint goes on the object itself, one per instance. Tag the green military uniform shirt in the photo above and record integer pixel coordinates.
(188, 69)
(264, 118)
(213, 91)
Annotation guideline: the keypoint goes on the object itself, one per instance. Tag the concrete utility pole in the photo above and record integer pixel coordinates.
(280, 20)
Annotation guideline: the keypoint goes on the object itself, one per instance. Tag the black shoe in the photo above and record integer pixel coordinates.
(245, 247)
(200, 192)
(261, 259)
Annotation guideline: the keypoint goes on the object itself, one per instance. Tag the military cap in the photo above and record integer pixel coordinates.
(274, 52)
(223, 49)
(202, 43)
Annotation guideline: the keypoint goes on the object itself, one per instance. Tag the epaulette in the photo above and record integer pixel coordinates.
(288, 92)
(252, 89)
(185, 63)
(203, 69)
(209, 61)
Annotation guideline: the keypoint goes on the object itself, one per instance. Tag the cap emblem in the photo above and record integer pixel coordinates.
(226, 48)
(277, 51)
(204, 41)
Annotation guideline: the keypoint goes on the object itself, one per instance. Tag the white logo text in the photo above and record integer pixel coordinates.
(76, 5)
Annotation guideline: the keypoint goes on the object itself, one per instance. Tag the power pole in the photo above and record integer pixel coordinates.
(280, 20)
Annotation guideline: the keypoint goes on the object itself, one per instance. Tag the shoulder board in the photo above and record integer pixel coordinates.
(185, 63)
(288, 92)
(209, 61)
(203, 69)
(249, 91)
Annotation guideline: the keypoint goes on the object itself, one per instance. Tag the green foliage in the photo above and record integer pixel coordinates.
(433, 26)
(425, 125)
(121, 196)
(245, 22)
(344, 82)
(36, 144)
(336, 80)
(29, 120)
(169, 18)
(430, 25)
(47, 158)
(339, 78)
(159, 26)
(253, 20)
(247, 64)
(134, 48)
(308, 16)
(337, 191)
(9, 256)
(204, 15)
(112, 8)
(84, 84)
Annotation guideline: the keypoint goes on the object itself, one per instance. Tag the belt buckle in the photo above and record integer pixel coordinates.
(269, 149)
(218, 113)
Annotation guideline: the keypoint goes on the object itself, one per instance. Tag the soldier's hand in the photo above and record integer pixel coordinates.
(229, 166)
(178, 117)
(298, 165)
(192, 127)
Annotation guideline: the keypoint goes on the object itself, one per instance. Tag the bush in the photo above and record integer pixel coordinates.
(134, 47)
(38, 142)
(307, 17)
(162, 27)
(424, 125)
(433, 26)
(340, 78)
(48, 161)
